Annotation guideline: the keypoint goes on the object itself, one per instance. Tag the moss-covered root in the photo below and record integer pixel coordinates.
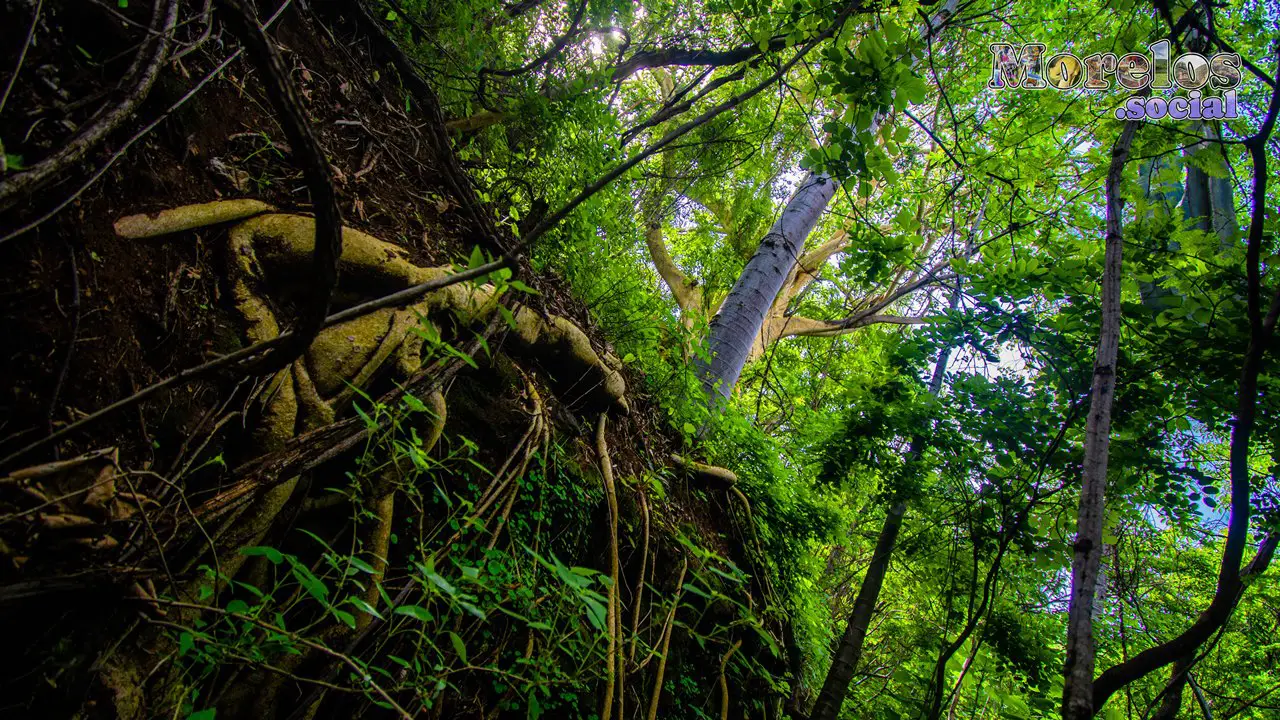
(565, 347)
(281, 239)
(188, 217)
(377, 541)
(709, 476)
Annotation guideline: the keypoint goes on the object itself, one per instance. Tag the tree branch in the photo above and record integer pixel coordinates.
(600, 183)
(315, 169)
(686, 57)
(556, 48)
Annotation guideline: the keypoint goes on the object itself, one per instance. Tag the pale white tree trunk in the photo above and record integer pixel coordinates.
(742, 316)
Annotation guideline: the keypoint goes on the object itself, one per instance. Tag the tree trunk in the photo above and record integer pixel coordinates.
(845, 662)
(741, 318)
(1172, 701)
(1077, 694)
(836, 686)
(742, 315)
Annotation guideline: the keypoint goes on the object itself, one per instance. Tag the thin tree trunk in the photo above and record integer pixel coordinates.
(1077, 696)
(836, 685)
(1172, 701)
(1261, 335)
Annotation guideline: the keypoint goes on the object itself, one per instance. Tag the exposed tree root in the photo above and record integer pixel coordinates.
(656, 695)
(724, 682)
(709, 476)
(639, 595)
(616, 679)
(187, 217)
(307, 395)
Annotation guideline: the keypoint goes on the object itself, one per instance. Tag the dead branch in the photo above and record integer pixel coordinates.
(22, 57)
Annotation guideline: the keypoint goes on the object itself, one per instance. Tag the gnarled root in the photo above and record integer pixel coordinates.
(709, 476)
(378, 538)
(280, 239)
(188, 217)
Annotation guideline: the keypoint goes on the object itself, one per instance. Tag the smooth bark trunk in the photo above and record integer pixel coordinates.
(741, 318)
(1077, 699)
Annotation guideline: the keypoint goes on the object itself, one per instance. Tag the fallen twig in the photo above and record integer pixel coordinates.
(146, 130)
(22, 56)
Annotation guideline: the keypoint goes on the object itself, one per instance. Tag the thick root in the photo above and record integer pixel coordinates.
(286, 240)
(378, 540)
(710, 476)
(564, 344)
(188, 217)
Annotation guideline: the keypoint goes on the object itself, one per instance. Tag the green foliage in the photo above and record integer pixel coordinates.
(944, 183)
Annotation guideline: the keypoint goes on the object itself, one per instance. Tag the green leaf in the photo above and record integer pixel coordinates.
(415, 612)
(271, 554)
(312, 584)
(477, 612)
(347, 618)
(441, 583)
(596, 614)
(364, 606)
(458, 646)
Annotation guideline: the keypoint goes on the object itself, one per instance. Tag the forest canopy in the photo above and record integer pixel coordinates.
(641, 359)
